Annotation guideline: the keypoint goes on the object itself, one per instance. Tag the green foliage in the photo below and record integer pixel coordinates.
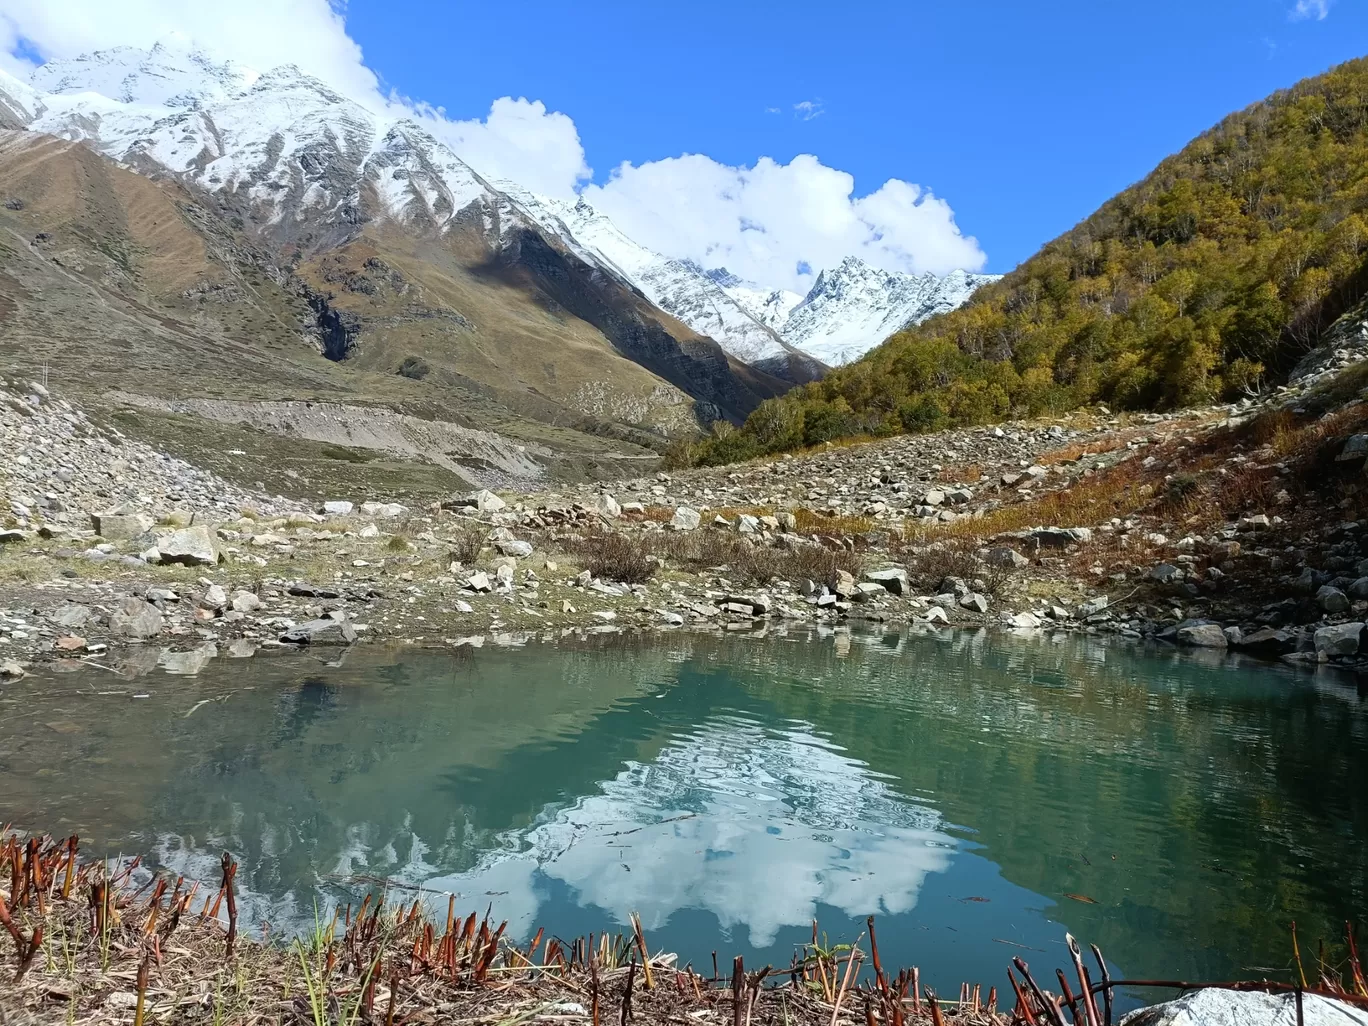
(1203, 281)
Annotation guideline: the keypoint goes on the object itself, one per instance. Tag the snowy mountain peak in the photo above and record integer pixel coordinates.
(854, 306)
(167, 75)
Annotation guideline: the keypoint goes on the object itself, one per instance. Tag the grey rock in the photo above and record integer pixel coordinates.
(893, 579)
(1270, 641)
(1359, 589)
(1164, 573)
(975, 602)
(1092, 606)
(1339, 640)
(1355, 448)
(1005, 557)
(685, 519)
(1026, 619)
(844, 585)
(119, 526)
(608, 506)
(190, 546)
(11, 537)
(936, 615)
(72, 615)
(132, 617)
(514, 548)
(1218, 1007)
(214, 598)
(1331, 600)
(245, 602)
(1202, 635)
(479, 581)
(327, 631)
(337, 507)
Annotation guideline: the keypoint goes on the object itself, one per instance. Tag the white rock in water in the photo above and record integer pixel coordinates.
(1215, 1007)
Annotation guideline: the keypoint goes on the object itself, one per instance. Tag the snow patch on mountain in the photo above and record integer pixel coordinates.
(854, 306)
(283, 143)
(20, 103)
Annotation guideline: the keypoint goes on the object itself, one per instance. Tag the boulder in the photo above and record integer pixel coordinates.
(936, 615)
(190, 546)
(747, 524)
(788, 522)
(134, 618)
(1164, 573)
(72, 615)
(934, 497)
(1024, 620)
(1224, 550)
(1339, 640)
(337, 507)
(245, 602)
(479, 581)
(369, 531)
(1092, 606)
(514, 547)
(383, 509)
(975, 602)
(1271, 641)
(11, 536)
(1216, 1007)
(844, 585)
(486, 501)
(1005, 557)
(893, 579)
(327, 631)
(608, 506)
(685, 519)
(214, 597)
(118, 525)
(1202, 635)
(1331, 600)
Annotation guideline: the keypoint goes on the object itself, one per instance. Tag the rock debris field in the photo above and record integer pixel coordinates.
(116, 555)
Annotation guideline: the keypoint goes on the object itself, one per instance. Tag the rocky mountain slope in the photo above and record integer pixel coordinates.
(279, 241)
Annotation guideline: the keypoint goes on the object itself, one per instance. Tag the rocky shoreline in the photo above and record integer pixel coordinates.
(108, 545)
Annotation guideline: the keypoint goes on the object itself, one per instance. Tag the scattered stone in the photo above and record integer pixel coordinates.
(118, 525)
(72, 615)
(245, 602)
(214, 598)
(1005, 557)
(1339, 640)
(1202, 635)
(685, 519)
(1331, 599)
(134, 618)
(190, 546)
(479, 581)
(893, 579)
(608, 506)
(327, 631)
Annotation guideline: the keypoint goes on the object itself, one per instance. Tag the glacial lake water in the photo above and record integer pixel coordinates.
(979, 793)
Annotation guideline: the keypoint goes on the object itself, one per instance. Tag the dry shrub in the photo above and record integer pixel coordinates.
(812, 522)
(970, 474)
(817, 563)
(617, 556)
(466, 545)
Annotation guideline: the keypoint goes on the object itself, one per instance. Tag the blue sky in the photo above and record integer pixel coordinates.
(1023, 116)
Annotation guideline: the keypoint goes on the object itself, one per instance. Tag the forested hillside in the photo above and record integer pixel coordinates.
(1208, 279)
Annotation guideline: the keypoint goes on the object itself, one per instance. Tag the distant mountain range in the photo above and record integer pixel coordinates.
(311, 217)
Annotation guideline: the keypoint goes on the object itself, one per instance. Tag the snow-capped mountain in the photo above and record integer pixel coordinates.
(284, 151)
(853, 306)
(679, 287)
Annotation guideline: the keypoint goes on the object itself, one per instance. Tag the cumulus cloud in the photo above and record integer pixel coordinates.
(1310, 10)
(776, 224)
(765, 222)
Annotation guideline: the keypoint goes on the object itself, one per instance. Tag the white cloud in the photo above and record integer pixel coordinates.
(761, 222)
(1312, 10)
